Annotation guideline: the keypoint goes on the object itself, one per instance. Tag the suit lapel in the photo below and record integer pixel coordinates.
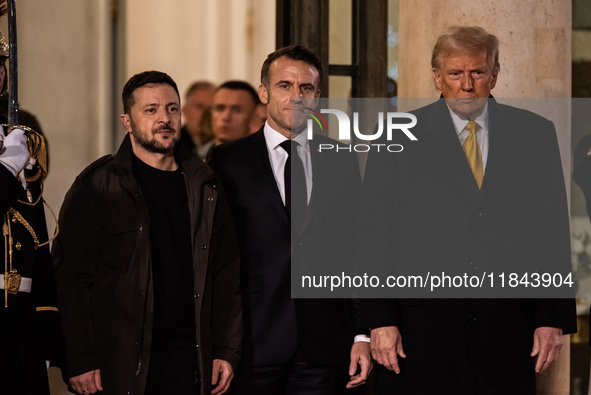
(265, 174)
(443, 141)
(501, 152)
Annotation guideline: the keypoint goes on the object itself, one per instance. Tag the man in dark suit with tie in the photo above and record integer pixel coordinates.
(286, 198)
(480, 191)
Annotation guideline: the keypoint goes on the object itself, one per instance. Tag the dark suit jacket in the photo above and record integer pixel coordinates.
(582, 169)
(582, 174)
(433, 212)
(104, 272)
(275, 324)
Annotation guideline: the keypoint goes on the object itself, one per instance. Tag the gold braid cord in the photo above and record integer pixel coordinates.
(16, 215)
(46, 308)
(38, 150)
(11, 277)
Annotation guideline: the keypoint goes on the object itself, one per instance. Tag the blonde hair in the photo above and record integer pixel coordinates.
(471, 39)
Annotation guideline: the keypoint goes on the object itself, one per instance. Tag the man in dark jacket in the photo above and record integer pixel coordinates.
(148, 270)
(480, 191)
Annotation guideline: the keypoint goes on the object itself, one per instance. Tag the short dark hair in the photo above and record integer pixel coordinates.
(198, 86)
(240, 86)
(142, 79)
(293, 52)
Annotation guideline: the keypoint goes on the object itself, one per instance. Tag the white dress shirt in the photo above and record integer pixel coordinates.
(278, 157)
(481, 134)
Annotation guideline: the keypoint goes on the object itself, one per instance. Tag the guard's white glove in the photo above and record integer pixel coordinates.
(15, 154)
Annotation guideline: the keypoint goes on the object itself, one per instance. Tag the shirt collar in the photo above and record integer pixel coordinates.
(273, 138)
(460, 123)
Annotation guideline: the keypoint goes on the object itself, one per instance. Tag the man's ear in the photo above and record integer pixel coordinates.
(493, 83)
(263, 94)
(126, 122)
(437, 78)
(316, 99)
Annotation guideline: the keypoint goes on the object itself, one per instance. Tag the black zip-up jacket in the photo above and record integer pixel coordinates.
(104, 275)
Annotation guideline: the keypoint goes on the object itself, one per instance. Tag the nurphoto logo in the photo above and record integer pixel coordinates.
(386, 122)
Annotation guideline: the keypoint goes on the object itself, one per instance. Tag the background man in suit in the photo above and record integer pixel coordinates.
(490, 199)
(292, 346)
(233, 107)
(198, 99)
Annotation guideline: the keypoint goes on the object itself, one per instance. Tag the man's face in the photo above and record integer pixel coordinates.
(465, 80)
(231, 112)
(154, 120)
(198, 101)
(290, 82)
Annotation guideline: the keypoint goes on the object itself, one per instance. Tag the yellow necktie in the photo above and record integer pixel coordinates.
(472, 151)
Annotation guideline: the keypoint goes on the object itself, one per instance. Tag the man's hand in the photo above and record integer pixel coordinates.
(221, 377)
(547, 345)
(360, 355)
(87, 383)
(386, 347)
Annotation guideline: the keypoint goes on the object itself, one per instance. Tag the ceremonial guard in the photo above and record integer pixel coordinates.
(29, 318)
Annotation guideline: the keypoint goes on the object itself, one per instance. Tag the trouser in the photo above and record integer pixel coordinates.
(173, 367)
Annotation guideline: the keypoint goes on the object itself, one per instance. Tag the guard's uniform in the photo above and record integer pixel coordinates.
(29, 321)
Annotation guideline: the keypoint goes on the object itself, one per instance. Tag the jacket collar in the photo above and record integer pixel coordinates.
(443, 142)
(192, 167)
(265, 172)
(500, 153)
